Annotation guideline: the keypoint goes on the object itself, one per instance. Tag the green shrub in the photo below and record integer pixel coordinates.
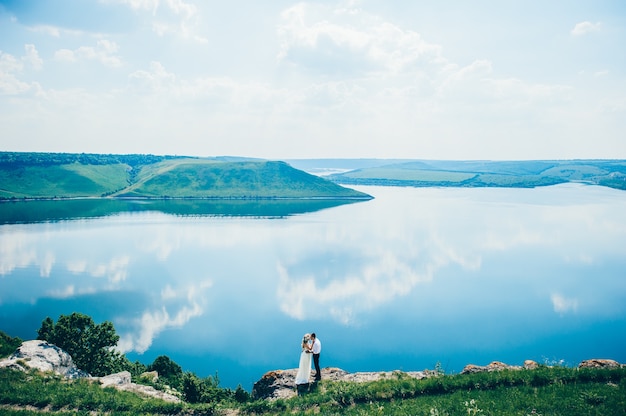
(8, 344)
(89, 345)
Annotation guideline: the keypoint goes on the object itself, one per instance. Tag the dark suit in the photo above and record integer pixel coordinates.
(317, 349)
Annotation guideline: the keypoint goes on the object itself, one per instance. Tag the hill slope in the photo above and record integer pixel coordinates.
(521, 174)
(50, 175)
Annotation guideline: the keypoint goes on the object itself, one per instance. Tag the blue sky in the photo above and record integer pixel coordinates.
(326, 79)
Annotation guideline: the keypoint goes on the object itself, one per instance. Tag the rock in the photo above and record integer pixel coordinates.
(117, 379)
(599, 363)
(122, 381)
(281, 384)
(151, 376)
(148, 391)
(530, 365)
(493, 366)
(42, 356)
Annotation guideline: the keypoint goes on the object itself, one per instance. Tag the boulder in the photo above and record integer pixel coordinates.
(151, 376)
(530, 365)
(599, 363)
(117, 379)
(122, 381)
(281, 384)
(43, 356)
(493, 366)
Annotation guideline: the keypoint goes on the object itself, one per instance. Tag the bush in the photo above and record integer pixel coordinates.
(8, 344)
(168, 371)
(91, 346)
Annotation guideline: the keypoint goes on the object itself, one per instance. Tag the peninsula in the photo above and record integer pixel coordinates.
(72, 175)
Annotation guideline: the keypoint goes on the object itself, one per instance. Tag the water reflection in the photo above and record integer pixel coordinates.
(403, 281)
(32, 211)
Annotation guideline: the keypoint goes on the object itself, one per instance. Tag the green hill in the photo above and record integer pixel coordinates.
(519, 174)
(66, 175)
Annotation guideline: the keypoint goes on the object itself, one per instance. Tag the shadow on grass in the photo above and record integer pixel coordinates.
(303, 389)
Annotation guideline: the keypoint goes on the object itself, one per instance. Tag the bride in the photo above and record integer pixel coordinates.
(304, 369)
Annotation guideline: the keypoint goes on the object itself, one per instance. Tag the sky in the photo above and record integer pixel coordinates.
(457, 80)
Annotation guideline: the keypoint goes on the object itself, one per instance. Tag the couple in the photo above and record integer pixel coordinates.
(311, 346)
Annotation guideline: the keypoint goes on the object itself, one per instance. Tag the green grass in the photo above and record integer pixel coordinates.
(543, 391)
(510, 174)
(61, 180)
(546, 391)
(163, 178)
(39, 392)
(395, 173)
(247, 179)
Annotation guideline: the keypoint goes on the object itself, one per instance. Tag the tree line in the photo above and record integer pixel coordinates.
(23, 159)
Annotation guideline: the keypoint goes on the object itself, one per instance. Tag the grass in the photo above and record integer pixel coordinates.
(168, 178)
(510, 174)
(543, 391)
(61, 180)
(403, 174)
(247, 179)
(38, 392)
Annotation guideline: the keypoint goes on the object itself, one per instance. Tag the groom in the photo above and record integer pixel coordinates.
(317, 349)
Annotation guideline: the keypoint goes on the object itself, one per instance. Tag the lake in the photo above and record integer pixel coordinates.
(411, 279)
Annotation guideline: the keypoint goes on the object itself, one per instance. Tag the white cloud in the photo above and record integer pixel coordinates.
(350, 41)
(169, 17)
(376, 282)
(153, 322)
(104, 52)
(32, 56)
(115, 270)
(46, 264)
(77, 266)
(16, 250)
(586, 27)
(70, 291)
(10, 71)
(65, 55)
(563, 305)
(156, 79)
(178, 7)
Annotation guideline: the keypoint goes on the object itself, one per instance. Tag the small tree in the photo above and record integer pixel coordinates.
(167, 370)
(193, 388)
(91, 346)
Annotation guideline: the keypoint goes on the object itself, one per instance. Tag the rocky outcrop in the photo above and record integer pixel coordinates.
(498, 366)
(600, 363)
(45, 357)
(281, 384)
(531, 365)
(121, 381)
(42, 356)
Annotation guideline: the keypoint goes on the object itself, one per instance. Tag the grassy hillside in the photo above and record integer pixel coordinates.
(73, 180)
(522, 174)
(61, 175)
(543, 391)
(217, 179)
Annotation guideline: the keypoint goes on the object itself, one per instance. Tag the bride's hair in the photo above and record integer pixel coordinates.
(305, 340)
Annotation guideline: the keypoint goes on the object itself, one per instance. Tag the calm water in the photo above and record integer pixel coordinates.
(409, 279)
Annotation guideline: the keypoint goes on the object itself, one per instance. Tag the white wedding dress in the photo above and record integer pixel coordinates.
(304, 369)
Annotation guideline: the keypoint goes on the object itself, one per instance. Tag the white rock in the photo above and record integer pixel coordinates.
(42, 356)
